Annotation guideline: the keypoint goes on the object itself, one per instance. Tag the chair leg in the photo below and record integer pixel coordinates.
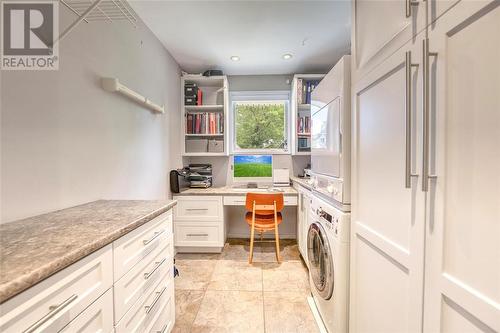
(261, 235)
(252, 235)
(276, 235)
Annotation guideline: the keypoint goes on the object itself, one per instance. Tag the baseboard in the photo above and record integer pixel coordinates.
(195, 249)
(266, 236)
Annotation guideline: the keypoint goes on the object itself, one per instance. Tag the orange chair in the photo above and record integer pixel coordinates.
(264, 214)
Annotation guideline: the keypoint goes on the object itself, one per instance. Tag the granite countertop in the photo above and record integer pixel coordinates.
(301, 181)
(33, 249)
(228, 190)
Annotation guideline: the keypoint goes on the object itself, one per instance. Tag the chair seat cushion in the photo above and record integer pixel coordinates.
(263, 222)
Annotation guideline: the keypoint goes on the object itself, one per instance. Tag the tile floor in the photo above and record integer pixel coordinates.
(223, 293)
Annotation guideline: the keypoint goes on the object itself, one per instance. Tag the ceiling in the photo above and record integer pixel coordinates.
(204, 35)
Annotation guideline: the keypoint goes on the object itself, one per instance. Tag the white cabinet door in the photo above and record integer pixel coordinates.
(380, 27)
(300, 220)
(387, 217)
(463, 230)
(305, 224)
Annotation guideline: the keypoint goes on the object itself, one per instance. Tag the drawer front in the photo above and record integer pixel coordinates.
(53, 303)
(142, 314)
(142, 278)
(198, 208)
(98, 317)
(165, 319)
(138, 244)
(239, 200)
(195, 234)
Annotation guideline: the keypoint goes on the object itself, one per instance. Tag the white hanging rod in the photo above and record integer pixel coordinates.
(113, 85)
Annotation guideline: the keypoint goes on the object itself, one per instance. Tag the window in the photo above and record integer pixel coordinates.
(260, 121)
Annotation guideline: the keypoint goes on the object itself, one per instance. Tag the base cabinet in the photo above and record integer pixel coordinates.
(93, 296)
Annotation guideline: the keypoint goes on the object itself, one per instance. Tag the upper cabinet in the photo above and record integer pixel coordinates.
(381, 27)
(204, 108)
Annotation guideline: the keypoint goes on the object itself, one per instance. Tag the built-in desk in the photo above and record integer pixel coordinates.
(200, 220)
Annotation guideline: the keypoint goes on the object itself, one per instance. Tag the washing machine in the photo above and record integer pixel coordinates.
(328, 257)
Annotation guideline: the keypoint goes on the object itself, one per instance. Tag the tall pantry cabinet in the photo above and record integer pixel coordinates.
(425, 244)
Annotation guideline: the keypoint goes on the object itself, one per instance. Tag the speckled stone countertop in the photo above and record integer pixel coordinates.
(228, 190)
(33, 249)
(301, 181)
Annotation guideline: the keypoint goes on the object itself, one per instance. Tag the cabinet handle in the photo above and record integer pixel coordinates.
(53, 311)
(158, 264)
(194, 235)
(409, 5)
(190, 209)
(155, 235)
(150, 307)
(164, 329)
(408, 99)
(425, 146)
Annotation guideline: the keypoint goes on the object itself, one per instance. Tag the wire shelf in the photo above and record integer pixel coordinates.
(101, 10)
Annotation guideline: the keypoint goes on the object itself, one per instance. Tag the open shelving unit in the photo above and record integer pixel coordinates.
(215, 99)
(301, 140)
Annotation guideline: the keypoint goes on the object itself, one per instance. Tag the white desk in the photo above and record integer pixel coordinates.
(199, 219)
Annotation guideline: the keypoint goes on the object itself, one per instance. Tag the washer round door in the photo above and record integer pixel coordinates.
(320, 260)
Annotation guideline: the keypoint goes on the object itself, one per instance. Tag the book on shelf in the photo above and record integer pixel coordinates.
(205, 123)
(304, 90)
(304, 125)
(199, 97)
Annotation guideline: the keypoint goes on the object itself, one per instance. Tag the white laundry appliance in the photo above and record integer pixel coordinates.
(328, 258)
(329, 232)
(330, 135)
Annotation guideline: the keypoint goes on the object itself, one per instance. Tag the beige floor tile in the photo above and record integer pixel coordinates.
(236, 249)
(288, 312)
(289, 251)
(236, 275)
(187, 304)
(230, 311)
(287, 276)
(194, 274)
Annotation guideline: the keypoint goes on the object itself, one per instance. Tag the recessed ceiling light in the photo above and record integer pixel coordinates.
(235, 58)
(287, 56)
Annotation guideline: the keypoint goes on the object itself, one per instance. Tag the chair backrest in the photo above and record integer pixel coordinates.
(266, 199)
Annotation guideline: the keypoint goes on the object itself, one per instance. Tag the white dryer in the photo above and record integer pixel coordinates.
(328, 257)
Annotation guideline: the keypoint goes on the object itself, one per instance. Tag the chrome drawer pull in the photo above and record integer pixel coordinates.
(408, 100)
(149, 308)
(190, 209)
(194, 235)
(158, 264)
(164, 329)
(53, 311)
(155, 235)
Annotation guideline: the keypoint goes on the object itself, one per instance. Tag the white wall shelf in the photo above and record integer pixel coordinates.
(300, 110)
(114, 85)
(215, 99)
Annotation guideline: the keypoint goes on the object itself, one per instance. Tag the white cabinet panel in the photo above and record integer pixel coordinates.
(142, 277)
(193, 234)
(463, 233)
(388, 214)
(54, 302)
(138, 244)
(380, 28)
(97, 318)
(198, 208)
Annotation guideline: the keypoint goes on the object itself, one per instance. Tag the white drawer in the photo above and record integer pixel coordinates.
(193, 234)
(136, 245)
(198, 208)
(142, 278)
(239, 200)
(143, 312)
(53, 303)
(165, 318)
(98, 317)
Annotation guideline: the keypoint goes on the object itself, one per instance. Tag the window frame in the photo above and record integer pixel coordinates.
(248, 96)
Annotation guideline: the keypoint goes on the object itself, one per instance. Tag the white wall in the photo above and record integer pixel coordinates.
(65, 141)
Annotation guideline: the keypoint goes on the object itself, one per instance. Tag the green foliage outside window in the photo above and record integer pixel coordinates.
(260, 125)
